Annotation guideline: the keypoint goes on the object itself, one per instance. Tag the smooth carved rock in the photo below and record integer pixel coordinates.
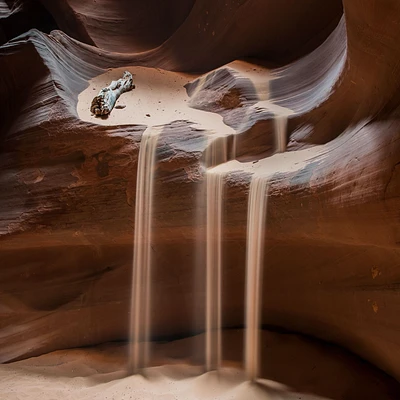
(105, 101)
(67, 204)
(134, 27)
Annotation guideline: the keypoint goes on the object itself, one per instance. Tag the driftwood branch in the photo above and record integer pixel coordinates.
(105, 101)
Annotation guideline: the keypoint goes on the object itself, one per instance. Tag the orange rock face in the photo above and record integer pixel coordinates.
(68, 185)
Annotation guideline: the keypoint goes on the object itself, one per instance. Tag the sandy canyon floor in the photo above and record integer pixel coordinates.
(290, 364)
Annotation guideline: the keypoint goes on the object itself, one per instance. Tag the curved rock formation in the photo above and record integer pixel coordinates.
(18, 16)
(68, 185)
(198, 31)
(120, 26)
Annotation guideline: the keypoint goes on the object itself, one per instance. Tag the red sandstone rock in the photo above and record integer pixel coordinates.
(68, 187)
(197, 32)
(18, 16)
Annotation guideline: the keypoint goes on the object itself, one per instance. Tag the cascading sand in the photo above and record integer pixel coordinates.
(216, 153)
(141, 285)
(280, 123)
(257, 204)
(256, 221)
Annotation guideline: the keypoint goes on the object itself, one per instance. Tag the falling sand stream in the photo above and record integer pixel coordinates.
(256, 220)
(256, 223)
(170, 103)
(141, 284)
(163, 94)
(216, 153)
(256, 213)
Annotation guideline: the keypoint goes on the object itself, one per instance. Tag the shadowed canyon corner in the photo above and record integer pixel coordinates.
(200, 199)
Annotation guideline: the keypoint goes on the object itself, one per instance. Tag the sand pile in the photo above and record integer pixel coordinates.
(100, 373)
(53, 377)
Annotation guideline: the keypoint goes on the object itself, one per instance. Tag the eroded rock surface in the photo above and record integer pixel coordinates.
(68, 185)
(18, 16)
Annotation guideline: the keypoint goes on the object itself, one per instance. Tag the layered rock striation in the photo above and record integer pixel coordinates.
(69, 183)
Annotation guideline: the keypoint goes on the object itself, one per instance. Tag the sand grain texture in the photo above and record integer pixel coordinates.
(101, 373)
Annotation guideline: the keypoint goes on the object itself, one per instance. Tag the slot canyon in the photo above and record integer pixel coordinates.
(199, 199)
